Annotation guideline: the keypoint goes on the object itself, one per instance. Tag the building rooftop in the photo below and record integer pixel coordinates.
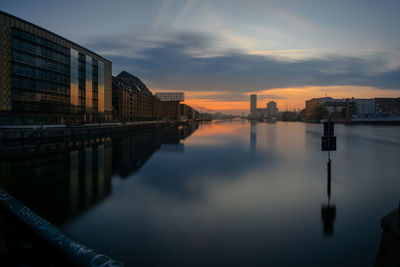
(133, 82)
(171, 96)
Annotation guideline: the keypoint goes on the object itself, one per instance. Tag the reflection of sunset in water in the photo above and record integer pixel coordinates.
(217, 133)
(218, 128)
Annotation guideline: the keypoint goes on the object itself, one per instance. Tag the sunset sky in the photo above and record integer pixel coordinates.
(219, 52)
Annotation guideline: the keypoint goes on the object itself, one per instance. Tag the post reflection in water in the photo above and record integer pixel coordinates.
(328, 212)
(63, 178)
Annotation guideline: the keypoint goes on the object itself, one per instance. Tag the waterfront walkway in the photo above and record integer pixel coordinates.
(85, 130)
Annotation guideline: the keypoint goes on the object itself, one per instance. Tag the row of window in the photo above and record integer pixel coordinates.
(81, 74)
(40, 107)
(29, 84)
(82, 96)
(40, 74)
(20, 120)
(82, 104)
(82, 57)
(95, 69)
(39, 96)
(81, 78)
(38, 40)
(81, 66)
(39, 62)
(82, 63)
(21, 45)
(81, 71)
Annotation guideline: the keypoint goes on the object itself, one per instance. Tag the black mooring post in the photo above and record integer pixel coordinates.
(329, 178)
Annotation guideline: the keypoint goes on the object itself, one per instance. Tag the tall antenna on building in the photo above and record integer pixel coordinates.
(286, 106)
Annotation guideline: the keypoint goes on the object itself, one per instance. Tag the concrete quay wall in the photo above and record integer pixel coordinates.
(87, 130)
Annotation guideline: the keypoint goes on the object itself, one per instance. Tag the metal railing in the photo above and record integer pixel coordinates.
(74, 250)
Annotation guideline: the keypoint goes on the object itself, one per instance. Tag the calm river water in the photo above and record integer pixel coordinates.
(226, 193)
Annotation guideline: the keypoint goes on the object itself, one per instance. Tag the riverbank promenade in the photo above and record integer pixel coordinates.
(80, 131)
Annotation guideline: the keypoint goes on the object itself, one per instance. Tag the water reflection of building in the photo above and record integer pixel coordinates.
(177, 147)
(172, 148)
(271, 136)
(63, 178)
(130, 152)
(90, 176)
(253, 137)
(58, 182)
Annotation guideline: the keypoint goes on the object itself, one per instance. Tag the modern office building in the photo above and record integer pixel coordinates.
(362, 106)
(185, 112)
(170, 104)
(272, 110)
(310, 104)
(378, 106)
(45, 78)
(335, 105)
(387, 106)
(339, 109)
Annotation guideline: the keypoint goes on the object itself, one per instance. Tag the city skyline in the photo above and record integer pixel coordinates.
(287, 52)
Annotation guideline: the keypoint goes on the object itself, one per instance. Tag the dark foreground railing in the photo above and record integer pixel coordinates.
(75, 251)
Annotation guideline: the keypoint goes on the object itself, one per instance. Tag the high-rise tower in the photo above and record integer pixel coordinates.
(253, 104)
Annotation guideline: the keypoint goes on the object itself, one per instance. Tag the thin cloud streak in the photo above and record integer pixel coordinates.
(185, 10)
(162, 13)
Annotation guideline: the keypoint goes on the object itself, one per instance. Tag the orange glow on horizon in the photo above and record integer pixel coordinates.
(218, 105)
(293, 98)
(296, 97)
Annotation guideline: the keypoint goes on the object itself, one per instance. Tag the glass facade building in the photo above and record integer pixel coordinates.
(74, 80)
(40, 74)
(88, 84)
(45, 78)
